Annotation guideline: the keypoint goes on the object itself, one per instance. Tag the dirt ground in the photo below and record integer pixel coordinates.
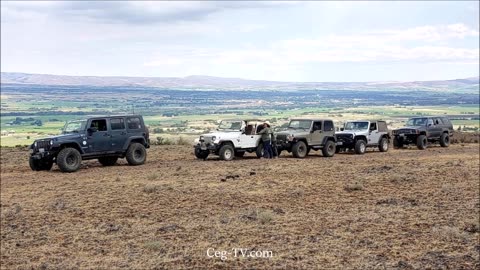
(404, 209)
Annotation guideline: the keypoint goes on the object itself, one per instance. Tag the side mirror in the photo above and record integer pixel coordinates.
(92, 130)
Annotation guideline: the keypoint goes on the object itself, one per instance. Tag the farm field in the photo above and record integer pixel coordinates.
(29, 112)
(403, 209)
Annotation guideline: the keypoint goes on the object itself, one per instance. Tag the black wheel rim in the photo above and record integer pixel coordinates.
(331, 148)
(71, 159)
(137, 154)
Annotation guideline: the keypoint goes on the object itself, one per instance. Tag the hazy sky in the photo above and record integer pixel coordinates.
(287, 41)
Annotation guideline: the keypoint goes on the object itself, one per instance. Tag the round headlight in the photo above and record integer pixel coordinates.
(51, 142)
(35, 144)
(214, 138)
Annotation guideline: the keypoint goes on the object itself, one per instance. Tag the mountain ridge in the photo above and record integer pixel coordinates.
(222, 83)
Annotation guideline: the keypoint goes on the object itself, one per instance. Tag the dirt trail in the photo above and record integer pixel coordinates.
(401, 209)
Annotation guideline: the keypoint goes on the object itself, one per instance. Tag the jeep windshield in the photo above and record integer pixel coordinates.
(74, 127)
(230, 125)
(356, 126)
(300, 124)
(417, 122)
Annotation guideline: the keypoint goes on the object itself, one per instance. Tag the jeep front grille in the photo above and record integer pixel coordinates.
(207, 140)
(406, 131)
(344, 137)
(43, 144)
(282, 137)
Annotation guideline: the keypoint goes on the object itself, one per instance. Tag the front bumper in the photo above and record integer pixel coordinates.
(284, 145)
(345, 142)
(41, 155)
(406, 138)
(211, 147)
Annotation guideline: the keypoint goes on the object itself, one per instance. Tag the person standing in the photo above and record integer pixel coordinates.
(266, 133)
(274, 144)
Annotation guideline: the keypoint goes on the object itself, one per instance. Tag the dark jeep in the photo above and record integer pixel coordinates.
(303, 135)
(421, 130)
(104, 138)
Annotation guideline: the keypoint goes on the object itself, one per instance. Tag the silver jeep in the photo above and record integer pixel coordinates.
(360, 134)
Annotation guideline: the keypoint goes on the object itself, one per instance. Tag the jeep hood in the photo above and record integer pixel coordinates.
(63, 137)
(222, 135)
(293, 131)
(412, 127)
(355, 132)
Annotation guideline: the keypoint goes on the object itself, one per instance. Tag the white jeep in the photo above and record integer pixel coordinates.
(232, 139)
(360, 134)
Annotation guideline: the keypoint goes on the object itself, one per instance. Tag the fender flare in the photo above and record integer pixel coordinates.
(73, 144)
(139, 139)
(228, 142)
(384, 136)
(329, 138)
(363, 137)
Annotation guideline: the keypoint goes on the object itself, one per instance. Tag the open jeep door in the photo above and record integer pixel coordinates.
(249, 137)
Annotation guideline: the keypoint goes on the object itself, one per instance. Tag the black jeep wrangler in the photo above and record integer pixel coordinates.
(421, 130)
(106, 138)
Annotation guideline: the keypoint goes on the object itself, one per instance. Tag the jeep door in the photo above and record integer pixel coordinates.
(316, 136)
(373, 134)
(118, 133)
(98, 140)
(436, 129)
(249, 138)
(328, 129)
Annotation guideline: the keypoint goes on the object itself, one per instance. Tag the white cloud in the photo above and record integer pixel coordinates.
(128, 12)
(373, 47)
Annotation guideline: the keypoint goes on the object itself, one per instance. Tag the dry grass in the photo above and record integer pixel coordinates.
(404, 209)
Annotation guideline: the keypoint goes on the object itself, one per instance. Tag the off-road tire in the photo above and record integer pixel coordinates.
(108, 161)
(360, 147)
(396, 143)
(422, 142)
(444, 140)
(226, 152)
(38, 165)
(329, 149)
(239, 154)
(383, 146)
(69, 159)
(136, 154)
(259, 151)
(201, 154)
(299, 149)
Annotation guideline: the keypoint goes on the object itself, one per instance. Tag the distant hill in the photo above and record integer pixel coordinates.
(209, 82)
